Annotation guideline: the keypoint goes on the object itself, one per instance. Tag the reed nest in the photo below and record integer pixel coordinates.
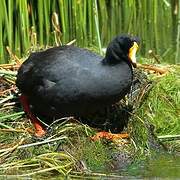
(68, 149)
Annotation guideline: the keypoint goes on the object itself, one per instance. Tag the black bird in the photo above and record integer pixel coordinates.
(71, 81)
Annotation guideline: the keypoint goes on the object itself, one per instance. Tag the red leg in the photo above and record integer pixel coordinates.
(39, 130)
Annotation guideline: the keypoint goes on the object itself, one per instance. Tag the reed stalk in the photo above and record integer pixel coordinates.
(91, 23)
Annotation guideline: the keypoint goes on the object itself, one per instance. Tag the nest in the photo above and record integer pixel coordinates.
(69, 148)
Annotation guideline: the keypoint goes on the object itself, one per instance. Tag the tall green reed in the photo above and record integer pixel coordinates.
(91, 23)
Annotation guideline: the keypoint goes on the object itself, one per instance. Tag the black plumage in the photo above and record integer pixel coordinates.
(71, 81)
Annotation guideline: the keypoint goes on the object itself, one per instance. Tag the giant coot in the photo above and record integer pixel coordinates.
(71, 81)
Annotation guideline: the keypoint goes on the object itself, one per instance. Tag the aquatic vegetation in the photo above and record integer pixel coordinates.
(42, 23)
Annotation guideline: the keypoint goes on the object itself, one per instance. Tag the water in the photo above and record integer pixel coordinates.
(159, 166)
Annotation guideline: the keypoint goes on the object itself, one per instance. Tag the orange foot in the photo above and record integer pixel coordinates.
(40, 131)
(37, 133)
(109, 136)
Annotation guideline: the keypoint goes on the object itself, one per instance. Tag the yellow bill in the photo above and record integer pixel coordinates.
(132, 54)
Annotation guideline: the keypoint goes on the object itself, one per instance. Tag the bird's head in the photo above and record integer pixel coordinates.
(123, 47)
